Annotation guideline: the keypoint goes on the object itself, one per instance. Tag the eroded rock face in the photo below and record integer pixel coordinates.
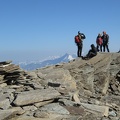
(80, 89)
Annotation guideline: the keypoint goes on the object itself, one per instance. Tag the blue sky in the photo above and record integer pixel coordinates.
(36, 29)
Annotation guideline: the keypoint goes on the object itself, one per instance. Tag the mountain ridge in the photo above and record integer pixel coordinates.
(54, 60)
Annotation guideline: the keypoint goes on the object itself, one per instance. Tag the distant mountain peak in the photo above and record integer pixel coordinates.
(50, 61)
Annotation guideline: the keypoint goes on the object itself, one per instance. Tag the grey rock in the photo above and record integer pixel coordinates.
(34, 96)
(4, 103)
(9, 113)
(55, 108)
(48, 93)
(112, 113)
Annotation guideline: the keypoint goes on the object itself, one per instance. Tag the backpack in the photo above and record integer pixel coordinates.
(77, 39)
(99, 41)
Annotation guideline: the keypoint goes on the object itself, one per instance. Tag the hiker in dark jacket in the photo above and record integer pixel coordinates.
(79, 43)
(91, 53)
(105, 39)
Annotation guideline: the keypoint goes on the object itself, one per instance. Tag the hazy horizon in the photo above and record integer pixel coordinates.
(36, 29)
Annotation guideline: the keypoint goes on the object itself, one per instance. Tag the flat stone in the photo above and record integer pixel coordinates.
(5, 104)
(104, 110)
(39, 104)
(5, 62)
(75, 110)
(3, 85)
(114, 87)
(9, 113)
(35, 96)
(31, 108)
(55, 108)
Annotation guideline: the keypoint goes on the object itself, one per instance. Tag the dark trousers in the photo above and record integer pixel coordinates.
(91, 54)
(105, 47)
(99, 48)
(79, 51)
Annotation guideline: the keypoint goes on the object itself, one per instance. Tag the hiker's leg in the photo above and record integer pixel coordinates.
(107, 48)
(97, 48)
(101, 48)
(79, 50)
(92, 55)
(88, 55)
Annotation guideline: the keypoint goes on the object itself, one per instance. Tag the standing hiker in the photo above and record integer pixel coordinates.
(105, 39)
(79, 42)
(99, 42)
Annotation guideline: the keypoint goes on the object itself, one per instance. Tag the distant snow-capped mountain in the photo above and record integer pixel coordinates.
(51, 61)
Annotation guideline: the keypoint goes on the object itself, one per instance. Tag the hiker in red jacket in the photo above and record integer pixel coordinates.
(79, 42)
(99, 42)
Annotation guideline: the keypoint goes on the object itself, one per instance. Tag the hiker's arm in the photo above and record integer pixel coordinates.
(83, 36)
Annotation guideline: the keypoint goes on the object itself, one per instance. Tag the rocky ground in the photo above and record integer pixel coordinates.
(78, 90)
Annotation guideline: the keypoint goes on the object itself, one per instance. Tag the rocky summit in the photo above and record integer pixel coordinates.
(77, 90)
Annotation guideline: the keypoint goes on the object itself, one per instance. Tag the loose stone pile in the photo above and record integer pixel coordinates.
(78, 90)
